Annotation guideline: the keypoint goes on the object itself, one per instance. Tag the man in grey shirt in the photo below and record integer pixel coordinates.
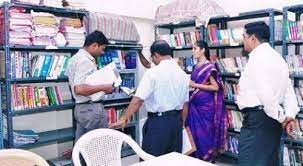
(88, 115)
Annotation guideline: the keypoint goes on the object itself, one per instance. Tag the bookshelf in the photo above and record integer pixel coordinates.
(58, 135)
(232, 75)
(292, 42)
(181, 36)
(45, 137)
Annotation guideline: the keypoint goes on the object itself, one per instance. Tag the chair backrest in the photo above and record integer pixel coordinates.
(13, 157)
(103, 147)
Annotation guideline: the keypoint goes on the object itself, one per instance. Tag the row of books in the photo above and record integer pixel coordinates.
(128, 80)
(232, 144)
(27, 97)
(295, 64)
(231, 65)
(231, 90)
(186, 63)
(114, 114)
(181, 39)
(231, 36)
(293, 156)
(235, 119)
(234, 36)
(123, 59)
(25, 64)
(294, 30)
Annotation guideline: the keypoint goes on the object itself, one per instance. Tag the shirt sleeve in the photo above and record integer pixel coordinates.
(146, 86)
(264, 91)
(290, 102)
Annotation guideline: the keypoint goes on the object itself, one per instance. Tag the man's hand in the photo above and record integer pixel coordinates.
(108, 88)
(290, 128)
(121, 123)
(286, 120)
(289, 125)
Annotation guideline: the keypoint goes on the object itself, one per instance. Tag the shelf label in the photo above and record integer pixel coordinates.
(178, 47)
(237, 74)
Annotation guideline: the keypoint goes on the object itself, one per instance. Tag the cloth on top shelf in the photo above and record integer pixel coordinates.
(189, 10)
(114, 27)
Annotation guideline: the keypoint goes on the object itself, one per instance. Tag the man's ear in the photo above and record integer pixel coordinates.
(95, 44)
(253, 37)
(157, 55)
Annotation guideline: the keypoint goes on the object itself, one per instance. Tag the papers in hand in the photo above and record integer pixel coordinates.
(127, 90)
(107, 75)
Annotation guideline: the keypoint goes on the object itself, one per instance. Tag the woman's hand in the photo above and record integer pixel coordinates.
(192, 84)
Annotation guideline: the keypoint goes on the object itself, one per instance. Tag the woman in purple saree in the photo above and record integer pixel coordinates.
(206, 117)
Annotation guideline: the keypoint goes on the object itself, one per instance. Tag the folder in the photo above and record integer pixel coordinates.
(188, 144)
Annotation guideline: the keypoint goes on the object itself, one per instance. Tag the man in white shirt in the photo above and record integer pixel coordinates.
(164, 90)
(266, 98)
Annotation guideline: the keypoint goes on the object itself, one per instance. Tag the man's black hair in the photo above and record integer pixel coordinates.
(95, 37)
(260, 29)
(161, 47)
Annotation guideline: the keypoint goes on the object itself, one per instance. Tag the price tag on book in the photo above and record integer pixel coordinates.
(237, 74)
(178, 47)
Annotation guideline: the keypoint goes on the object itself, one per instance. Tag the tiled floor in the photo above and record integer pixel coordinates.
(222, 161)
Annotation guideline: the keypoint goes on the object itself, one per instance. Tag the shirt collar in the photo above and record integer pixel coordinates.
(87, 54)
(259, 48)
(165, 61)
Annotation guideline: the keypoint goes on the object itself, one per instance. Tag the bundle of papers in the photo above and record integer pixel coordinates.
(107, 75)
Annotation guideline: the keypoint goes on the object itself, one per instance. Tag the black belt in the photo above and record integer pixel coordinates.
(253, 109)
(91, 102)
(166, 113)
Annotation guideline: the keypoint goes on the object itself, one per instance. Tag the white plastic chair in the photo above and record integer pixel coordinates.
(102, 147)
(16, 157)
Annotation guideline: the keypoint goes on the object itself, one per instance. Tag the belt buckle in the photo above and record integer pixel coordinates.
(159, 114)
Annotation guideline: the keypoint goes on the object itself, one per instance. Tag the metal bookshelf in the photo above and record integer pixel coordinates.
(58, 135)
(297, 10)
(8, 80)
